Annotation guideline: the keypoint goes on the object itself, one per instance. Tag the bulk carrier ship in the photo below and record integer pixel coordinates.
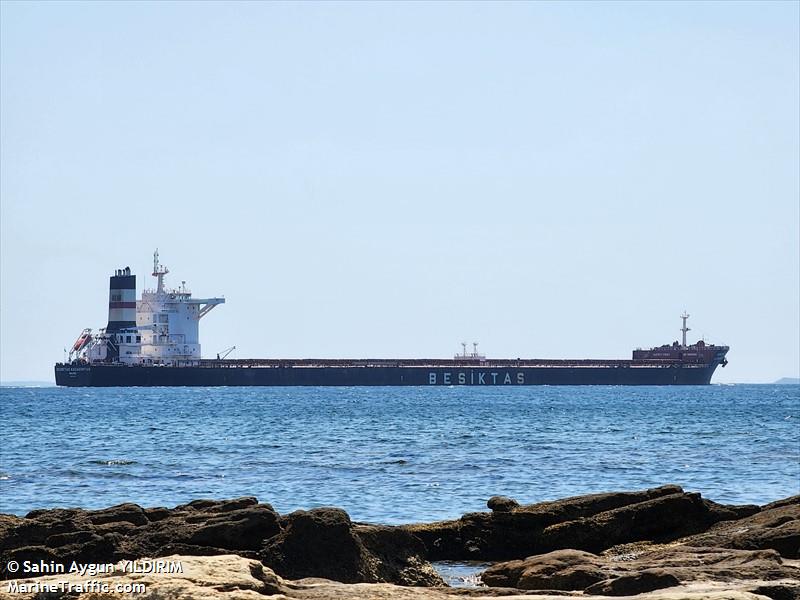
(154, 341)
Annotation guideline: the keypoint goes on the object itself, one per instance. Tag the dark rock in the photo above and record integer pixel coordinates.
(400, 555)
(74, 537)
(635, 583)
(200, 504)
(562, 541)
(730, 512)
(592, 523)
(129, 513)
(21, 554)
(776, 526)
(308, 542)
(156, 514)
(559, 570)
(502, 504)
(127, 531)
(238, 504)
(791, 500)
(661, 519)
(715, 564)
(324, 543)
(33, 531)
(655, 569)
(576, 507)
(194, 550)
(238, 529)
(778, 591)
(219, 506)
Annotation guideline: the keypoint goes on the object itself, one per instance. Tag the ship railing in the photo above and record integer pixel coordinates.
(434, 363)
(389, 363)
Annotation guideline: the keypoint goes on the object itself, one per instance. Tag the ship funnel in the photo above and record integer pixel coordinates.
(121, 300)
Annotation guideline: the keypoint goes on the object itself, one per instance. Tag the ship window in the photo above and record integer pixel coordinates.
(138, 339)
(163, 318)
(127, 339)
(116, 297)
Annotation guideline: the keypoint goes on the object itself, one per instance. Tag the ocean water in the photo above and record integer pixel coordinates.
(393, 455)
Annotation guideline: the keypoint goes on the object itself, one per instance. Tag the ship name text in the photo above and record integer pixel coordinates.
(476, 378)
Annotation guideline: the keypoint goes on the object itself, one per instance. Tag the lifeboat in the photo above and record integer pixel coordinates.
(83, 339)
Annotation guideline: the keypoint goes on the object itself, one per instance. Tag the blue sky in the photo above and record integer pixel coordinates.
(389, 179)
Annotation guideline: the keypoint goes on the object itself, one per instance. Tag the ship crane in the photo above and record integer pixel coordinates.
(224, 354)
(474, 355)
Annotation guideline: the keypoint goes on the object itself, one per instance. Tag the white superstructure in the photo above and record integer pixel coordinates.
(166, 327)
(169, 321)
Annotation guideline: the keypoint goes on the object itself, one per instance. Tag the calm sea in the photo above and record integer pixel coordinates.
(393, 455)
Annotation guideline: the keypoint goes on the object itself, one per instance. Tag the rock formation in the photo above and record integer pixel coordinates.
(661, 567)
(592, 523)
(615, 544)
(231, 577)
(319, 543)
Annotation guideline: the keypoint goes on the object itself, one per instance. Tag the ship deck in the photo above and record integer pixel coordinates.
(316, 363)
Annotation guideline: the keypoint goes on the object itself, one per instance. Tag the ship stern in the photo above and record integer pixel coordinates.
(72, 375)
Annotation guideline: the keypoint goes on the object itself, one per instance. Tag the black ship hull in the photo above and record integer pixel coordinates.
(218, 373)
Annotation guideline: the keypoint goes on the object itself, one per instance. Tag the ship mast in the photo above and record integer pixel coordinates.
(159, 271)
(684, 329)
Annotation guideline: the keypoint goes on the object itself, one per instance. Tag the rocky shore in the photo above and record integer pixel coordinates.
(656, 543)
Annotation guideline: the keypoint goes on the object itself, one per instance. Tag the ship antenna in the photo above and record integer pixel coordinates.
(684, 329)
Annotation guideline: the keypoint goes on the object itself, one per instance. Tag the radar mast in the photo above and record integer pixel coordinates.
(684, 329)
(159, 271)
